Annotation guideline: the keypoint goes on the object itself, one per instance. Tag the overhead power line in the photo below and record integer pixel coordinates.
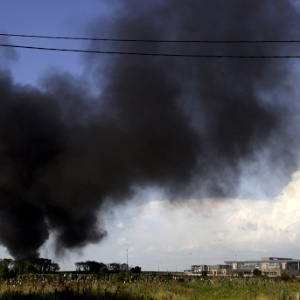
(146, 53)
(148, 40)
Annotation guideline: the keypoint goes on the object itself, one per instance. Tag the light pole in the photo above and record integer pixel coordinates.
(127, 259)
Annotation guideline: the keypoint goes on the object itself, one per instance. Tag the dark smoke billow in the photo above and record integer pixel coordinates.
(188, 126)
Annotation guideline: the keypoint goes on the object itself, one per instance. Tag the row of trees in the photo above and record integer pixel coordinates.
(10, 267)
(99, 267)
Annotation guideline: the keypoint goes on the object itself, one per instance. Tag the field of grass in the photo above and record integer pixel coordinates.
(146, 287)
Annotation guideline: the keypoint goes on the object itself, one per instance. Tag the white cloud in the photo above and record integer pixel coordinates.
(172, 236)
(219, 229)
(123, 241)
(120, 226)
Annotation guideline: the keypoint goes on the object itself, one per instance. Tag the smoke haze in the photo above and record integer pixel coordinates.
(187, 126)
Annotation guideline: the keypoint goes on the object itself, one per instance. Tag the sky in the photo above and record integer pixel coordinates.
(175, 161)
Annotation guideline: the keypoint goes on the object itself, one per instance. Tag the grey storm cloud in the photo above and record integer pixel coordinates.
(186, 125)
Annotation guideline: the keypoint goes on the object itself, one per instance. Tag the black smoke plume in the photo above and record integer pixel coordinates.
(188, 126)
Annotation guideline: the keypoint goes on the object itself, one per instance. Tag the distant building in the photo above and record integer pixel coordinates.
(210, 270)
(199, 269)
(220, 270)
(269, 266)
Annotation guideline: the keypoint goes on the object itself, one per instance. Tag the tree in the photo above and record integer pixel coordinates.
(5, 267)
(4, 272)
(128, 275)
(257, 273)
(89, 266)
(124, 267)
(40, 265)
(7, 262)
(81, 266)
(285, 277)
(93, 267)
(136, 270)
(54, 267)
(113, 267)
(103, 269)
(43, 265)
(23, 266)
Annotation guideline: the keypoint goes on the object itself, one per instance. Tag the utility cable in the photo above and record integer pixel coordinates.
(147, 54)
(149, 40)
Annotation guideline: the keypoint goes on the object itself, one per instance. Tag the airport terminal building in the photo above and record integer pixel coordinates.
(269, 266)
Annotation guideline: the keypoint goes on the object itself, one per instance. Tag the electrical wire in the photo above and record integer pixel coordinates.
(148, 54)
(148, 40)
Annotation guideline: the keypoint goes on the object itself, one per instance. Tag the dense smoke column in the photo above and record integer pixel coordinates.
(235, 105)
(188, 126)
(29, 135)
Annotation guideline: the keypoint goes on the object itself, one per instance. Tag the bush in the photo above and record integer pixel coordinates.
(285, 277)
(257, 272)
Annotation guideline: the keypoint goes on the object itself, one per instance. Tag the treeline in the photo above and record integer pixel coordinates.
(99, 267)
(11, 268)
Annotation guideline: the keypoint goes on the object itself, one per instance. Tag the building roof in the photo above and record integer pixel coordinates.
(264, 259)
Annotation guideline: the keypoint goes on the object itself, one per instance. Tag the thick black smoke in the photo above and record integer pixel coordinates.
(188, 126)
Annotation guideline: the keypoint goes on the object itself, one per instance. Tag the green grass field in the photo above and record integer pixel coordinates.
(145, 286)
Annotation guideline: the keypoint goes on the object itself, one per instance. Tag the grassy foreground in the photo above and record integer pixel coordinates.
(114, 286)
